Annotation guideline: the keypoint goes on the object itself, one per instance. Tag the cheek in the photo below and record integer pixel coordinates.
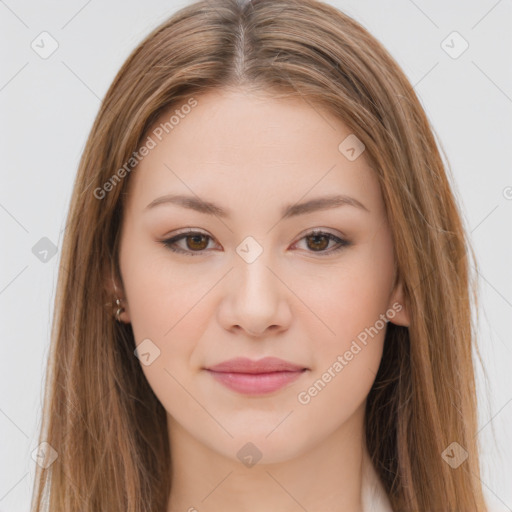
(159, 293)
(346, 363)
(358, 295)
(349, 352)
(163, 308)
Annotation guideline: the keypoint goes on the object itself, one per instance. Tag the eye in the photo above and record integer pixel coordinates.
(197, 242)
(319, 240)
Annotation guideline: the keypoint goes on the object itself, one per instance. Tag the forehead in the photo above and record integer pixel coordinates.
(250, 144)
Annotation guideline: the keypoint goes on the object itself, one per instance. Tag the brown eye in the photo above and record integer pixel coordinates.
(318, 242)
(196, 243)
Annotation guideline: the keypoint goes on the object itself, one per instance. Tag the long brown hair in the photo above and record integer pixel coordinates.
(100, 415)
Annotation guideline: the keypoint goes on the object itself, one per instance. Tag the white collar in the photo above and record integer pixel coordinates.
(373, 495)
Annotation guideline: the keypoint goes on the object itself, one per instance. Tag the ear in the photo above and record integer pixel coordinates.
(398, 312)
(115, 290)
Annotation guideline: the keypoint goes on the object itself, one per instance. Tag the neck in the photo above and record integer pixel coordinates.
(328, 477)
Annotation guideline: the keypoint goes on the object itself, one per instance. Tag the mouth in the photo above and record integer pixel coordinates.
(256, 383)
(256, 377)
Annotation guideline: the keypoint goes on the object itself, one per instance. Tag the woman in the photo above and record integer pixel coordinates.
(314, 353)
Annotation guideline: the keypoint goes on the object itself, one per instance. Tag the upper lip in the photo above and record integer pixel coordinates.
(265, 365)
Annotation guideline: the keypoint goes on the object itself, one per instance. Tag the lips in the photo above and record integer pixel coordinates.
(256, 377)
(265, 365)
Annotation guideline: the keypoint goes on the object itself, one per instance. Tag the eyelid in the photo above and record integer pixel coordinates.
(323, 230)
(342, 241)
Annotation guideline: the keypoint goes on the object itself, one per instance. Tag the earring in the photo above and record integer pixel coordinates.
(120, 309)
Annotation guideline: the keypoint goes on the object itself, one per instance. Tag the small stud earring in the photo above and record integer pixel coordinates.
(119, 310)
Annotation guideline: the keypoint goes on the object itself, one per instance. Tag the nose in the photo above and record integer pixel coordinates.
(255, 299)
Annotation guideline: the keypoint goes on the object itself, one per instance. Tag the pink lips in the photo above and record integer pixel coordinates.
(256, 377)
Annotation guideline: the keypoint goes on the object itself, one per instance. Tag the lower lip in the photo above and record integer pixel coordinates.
(256, 383)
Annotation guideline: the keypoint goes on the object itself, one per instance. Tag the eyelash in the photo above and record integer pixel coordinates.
(170, 242)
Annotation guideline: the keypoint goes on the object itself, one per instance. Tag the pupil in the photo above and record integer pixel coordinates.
(195, 237)
(316, 237)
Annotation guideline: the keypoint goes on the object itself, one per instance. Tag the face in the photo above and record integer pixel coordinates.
(257, 275)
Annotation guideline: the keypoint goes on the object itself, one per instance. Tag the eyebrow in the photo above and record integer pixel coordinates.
(292, 210)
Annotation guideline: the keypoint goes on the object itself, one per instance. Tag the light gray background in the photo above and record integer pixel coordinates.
(47, 109)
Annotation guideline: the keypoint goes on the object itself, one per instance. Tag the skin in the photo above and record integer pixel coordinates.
(252, 155)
